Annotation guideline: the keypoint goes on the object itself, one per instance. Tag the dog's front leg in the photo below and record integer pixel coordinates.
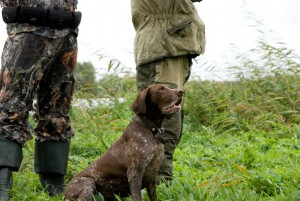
(80, 188)
(151, 190)
(135, 183)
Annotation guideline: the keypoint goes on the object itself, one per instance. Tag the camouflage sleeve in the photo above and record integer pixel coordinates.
(2, 3)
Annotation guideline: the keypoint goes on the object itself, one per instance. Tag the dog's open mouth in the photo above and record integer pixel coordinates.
(175, 107)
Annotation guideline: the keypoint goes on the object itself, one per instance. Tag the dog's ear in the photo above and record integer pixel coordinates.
(139, 104)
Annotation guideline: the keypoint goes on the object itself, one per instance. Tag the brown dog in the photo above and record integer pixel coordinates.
(132, 162)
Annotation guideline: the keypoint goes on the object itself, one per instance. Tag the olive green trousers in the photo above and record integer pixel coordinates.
(173, 71)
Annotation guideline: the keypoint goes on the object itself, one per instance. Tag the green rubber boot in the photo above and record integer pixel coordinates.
(5, 183)
(10, 160)
(50, 162)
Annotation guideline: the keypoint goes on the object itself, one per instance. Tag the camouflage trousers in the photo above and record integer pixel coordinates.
(174, 71)
(35, 67)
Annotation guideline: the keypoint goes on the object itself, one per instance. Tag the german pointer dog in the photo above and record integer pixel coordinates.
(133, 161)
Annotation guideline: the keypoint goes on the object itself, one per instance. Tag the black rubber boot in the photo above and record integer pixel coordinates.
(53, 183)
(5, 183)
(10, 160)
(50, 162)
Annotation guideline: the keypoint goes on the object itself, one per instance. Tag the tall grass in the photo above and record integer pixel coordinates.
(265, 94)
(241, 140)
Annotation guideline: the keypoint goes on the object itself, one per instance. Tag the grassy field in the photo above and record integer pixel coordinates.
(241, 138)
(241, 142)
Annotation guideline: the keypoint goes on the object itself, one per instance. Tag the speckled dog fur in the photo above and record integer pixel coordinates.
(133, 161)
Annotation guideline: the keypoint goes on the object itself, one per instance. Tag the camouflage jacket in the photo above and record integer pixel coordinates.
(15, 28)
(166, 28)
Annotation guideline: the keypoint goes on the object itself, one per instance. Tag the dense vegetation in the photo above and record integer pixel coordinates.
(241, 138)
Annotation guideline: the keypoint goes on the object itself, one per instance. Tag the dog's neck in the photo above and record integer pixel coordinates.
(155, 127)
(155, 115)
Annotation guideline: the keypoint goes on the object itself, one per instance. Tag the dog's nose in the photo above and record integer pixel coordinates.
(179, 92)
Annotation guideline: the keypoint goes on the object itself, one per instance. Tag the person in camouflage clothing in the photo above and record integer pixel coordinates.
(168, 35)
(38, 62)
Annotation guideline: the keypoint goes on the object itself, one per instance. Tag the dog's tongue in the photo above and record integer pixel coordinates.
(173, 109)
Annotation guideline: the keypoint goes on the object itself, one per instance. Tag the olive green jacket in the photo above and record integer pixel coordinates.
(166, 28)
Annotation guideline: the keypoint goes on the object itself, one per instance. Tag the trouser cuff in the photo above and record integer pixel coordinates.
(51, 157)
(10, 153)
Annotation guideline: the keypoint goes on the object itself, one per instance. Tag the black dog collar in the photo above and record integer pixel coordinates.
(149, 124)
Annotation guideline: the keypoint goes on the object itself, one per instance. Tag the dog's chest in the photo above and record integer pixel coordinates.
(140, 145)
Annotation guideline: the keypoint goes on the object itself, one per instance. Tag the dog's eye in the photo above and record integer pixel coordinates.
(161, 88)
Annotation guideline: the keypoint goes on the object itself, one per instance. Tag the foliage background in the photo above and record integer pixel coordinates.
(241, 137)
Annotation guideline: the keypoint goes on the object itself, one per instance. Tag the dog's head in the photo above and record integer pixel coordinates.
(158, 97)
